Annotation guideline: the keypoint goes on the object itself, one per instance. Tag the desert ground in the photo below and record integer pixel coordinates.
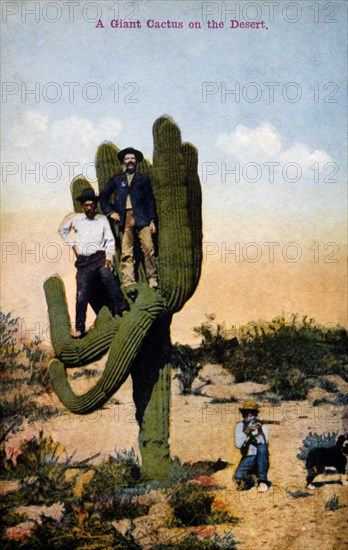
(202, 430)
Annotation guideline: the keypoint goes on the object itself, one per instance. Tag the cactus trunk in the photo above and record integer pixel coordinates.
(151, 376)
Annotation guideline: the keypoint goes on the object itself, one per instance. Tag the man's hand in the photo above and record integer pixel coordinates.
(108, 265)
(251, 427)
(152, 227)
(116, 217)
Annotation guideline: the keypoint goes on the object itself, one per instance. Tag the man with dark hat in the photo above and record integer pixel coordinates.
(135, 210)
(251, 437)
(94, 248)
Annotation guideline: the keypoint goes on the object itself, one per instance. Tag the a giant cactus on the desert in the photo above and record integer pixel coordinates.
(139, 343)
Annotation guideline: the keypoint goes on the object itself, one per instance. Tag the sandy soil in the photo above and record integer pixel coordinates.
(201, 430)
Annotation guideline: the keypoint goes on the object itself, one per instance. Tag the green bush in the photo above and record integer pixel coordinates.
(191, 504)
(79, 530)
(122, 471)
(48, 475)
(299, 494)
(288, 353)
(313, 440)
(23, 366)
(186, 360)
(214, 347)
(333, 504)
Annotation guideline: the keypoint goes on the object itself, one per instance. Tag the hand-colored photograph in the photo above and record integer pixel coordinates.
(174, 305)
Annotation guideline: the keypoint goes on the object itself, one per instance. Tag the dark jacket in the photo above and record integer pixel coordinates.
(143, 201)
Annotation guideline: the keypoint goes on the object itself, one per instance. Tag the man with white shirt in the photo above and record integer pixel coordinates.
(251, 437)
(94, 248)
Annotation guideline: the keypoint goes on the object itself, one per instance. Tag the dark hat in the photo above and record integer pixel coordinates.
(87, 195)
(249, 406)
(130, 151)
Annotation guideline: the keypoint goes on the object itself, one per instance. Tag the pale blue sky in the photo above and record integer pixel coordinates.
(166, 69)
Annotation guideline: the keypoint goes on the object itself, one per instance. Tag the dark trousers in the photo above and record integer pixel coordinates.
(91, 275)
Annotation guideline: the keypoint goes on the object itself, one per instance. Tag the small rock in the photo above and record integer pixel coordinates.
(123, 526)
(316, 394)
(9, 486)
(150, 498)
(20, 531)
(340, 384)
(55, 511)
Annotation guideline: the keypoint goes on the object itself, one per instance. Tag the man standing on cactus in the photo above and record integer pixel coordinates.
(94, 248)
(135, 210)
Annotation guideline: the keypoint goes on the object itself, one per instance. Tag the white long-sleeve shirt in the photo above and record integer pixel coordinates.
(241, 437)
(91, 234)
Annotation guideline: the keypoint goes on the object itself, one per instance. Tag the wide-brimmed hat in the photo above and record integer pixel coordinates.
(87, 195)
(130, 151)
(249, 406)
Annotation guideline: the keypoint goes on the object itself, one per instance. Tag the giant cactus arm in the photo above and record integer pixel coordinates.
(78, 184)
(124, 349)
(107, 163)
(70, 351)
(194, 209)
(178, 198)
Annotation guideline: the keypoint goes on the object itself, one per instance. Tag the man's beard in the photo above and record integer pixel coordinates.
(130, 167)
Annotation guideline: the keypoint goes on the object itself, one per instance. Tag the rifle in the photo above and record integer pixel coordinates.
(269, 421)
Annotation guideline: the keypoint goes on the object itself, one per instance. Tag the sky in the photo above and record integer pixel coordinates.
(266, 108)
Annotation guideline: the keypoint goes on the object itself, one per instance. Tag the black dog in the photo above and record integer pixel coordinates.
(320, 458)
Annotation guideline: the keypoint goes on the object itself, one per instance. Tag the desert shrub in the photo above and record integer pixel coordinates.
(79, 529)
(191, 504)
(49, 475)
(215, 347)
(181, 472)
(339, 399)
(299, 494)
(8, 340)
(327, 385)
(288, 353)
(24, 371)
(186, 360)
(216, 400)
(333, 504)
(313, 440)
(41, 465)
(112, 475)
(121, 505)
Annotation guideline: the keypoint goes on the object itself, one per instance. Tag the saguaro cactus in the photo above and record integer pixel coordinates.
(139, 343)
